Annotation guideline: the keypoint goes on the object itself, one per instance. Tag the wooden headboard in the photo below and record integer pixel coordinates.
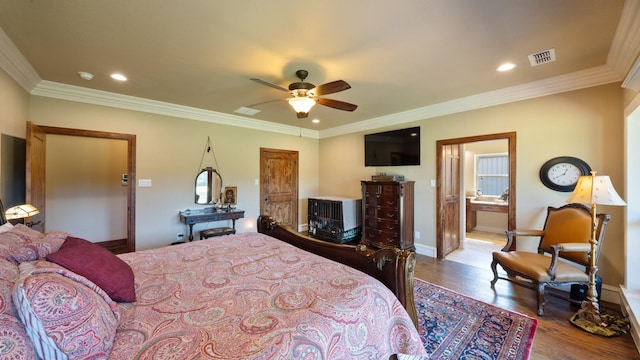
(3, 219)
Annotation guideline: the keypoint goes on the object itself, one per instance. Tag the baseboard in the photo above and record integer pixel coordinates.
(426, 250)
(630, 300)
(610, 294)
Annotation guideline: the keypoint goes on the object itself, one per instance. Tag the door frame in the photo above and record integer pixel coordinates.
(131, 168)
(440, 178)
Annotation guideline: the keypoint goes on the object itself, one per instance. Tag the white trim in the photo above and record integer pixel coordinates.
(16, 65)
(630, 300)
(599, 75)
(429, 251)
(98, 97)
(610, 294)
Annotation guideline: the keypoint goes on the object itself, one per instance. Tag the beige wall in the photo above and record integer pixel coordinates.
(84, 177)
(587, 124)
(169, 151)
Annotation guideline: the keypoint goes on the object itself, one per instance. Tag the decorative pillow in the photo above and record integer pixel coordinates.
(5, 227)
(99, 265)
(65, 315)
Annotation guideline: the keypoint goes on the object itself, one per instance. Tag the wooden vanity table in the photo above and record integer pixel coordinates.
(472, 208)
(191, 217)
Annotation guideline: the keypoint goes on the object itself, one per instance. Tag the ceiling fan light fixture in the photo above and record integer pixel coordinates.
(302, 104)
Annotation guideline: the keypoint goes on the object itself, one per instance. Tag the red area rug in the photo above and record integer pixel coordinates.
(454, 326)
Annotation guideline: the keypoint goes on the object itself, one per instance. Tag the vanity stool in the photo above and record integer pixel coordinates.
(205, 234)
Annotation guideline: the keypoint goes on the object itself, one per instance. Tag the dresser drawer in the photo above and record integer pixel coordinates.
(382, 238)
(382, 224)
(381, 190)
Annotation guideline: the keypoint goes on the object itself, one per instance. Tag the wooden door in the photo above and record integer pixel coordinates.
(36, 172)
(279, 185)
(450, 200)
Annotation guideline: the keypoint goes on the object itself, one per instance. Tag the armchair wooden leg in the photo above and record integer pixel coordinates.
(494, 265)
(540, 292)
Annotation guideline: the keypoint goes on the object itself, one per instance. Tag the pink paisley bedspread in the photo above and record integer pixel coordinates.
(250, 296)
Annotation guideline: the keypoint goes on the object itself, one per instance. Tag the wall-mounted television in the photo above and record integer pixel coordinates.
(393, 148)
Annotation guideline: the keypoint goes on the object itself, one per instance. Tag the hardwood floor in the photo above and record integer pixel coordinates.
(556, 337)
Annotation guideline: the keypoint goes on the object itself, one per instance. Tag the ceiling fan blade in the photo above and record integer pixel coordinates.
(337, 104)
(260, 81)
(330, 88)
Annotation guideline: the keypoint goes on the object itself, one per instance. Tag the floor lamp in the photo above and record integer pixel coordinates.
(595, 190)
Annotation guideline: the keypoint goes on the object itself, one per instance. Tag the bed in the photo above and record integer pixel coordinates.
(263, 295)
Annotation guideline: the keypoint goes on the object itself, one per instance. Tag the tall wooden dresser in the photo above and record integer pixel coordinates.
(387, 214)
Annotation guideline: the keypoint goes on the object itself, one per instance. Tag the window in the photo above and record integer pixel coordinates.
(492, 174)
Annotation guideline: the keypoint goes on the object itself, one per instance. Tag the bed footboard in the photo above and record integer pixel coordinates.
(391, 266)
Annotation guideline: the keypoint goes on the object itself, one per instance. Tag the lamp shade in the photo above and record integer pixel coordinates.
(21, 211)
(592, 189)
(302, 104)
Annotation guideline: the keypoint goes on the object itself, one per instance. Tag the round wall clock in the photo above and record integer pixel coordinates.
(562, 173)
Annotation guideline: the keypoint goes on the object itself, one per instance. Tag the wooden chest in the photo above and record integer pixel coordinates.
(387, 214)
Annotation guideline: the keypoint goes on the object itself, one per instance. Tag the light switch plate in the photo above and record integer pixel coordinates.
(144, 183)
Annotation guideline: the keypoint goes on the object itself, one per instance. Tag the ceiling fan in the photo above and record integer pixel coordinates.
(305, 95)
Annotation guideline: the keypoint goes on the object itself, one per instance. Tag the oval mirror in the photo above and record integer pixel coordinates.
(208, 186)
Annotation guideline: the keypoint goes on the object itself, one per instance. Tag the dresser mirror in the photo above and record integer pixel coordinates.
(208, 186)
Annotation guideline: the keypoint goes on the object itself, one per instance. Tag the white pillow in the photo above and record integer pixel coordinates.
(5, 227)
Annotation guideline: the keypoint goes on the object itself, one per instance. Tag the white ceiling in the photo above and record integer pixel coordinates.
(403, 59)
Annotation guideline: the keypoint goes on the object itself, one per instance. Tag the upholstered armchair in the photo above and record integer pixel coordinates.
(563, 251)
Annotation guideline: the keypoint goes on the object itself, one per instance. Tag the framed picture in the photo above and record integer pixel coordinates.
(230, 195)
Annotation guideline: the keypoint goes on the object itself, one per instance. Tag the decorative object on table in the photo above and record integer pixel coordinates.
(596, 190)
(562, 173)
(454, 326)
(24, 211)
(208, 182)
(230, 195)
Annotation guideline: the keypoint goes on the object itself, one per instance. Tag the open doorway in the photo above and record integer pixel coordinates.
(485, 183)
(36, 175)
(453, 195)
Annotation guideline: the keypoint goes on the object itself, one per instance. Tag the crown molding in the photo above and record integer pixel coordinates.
(578, 80)
(626, 41)
(16, 65)
(98, 97)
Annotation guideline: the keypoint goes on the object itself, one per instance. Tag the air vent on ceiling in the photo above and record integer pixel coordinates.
(246, 111)
(542, 57)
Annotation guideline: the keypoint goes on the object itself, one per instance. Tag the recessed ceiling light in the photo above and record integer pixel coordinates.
(119, 77)
(315, 121)
(506, 67)
(85, 75)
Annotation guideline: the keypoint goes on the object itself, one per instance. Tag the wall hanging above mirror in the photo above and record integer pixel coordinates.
(208, 184)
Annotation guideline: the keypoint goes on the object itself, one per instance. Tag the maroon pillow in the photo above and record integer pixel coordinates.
(99, 265)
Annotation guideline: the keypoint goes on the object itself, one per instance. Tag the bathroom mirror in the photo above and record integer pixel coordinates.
(208, 186)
